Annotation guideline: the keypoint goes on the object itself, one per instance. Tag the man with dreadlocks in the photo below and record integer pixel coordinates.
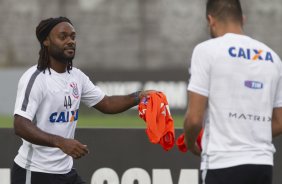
(46, 109)
(235, 95)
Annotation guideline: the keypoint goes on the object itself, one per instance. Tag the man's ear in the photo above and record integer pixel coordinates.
(46, 42)
(211, 20)
(244, 20)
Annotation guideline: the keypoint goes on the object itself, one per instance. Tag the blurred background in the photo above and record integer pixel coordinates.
(123, 45)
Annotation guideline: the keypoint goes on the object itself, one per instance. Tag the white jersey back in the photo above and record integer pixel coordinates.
(241, 78)
(52, 103)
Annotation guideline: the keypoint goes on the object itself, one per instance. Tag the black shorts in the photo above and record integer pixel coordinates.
(22, 176)
(242, 174)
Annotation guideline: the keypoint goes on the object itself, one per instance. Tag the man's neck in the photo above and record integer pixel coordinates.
(230, 28)
(59, 67)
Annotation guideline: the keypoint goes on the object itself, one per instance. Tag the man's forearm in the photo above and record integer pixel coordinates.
(28, 131)
(276, 121)
(191, 134)
(118, 104)
(276, 129)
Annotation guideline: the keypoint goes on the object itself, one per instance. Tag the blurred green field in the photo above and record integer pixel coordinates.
(98, 120)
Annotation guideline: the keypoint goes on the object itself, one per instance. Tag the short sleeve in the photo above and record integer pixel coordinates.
(200, 71)
(278, 96)
(91, 94)
(29, 95)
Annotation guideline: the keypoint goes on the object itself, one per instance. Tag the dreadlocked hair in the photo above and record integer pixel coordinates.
(42, 31)
(43, 61)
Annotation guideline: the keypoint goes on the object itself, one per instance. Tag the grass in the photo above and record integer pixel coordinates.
(97, 120)
(6, 121)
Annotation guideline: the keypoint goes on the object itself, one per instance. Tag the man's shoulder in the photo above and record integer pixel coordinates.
(210, 43)
(31, 72)
(267, 50)
(31, 69)
(206, 47)
(76, 71)
(32, 77)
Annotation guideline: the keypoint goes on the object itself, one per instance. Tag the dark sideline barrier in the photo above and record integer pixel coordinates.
(125, 156)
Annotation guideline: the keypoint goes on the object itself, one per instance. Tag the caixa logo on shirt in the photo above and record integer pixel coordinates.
(253, 84)
(250, 54)
(63, 117)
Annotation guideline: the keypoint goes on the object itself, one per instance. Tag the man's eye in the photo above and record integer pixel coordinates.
(62, 37)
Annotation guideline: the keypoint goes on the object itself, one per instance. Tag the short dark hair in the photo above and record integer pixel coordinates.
(225, 10)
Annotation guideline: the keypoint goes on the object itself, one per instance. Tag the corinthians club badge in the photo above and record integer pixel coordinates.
(75, 93)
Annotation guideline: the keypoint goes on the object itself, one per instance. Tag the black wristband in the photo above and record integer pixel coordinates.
(136, 97)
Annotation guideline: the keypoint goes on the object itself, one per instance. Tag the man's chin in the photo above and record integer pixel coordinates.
(65, 61)
(69, 56)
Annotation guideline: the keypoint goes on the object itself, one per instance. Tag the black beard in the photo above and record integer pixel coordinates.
(59, 55)
(62, 60)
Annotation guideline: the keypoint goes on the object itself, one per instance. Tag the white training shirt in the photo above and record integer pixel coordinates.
(242, 79)
(51, 102)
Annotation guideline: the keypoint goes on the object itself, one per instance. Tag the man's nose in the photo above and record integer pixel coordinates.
(71, 41)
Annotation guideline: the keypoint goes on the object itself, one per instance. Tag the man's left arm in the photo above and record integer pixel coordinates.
(277, 121)
(117, 104)
(194, 117)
